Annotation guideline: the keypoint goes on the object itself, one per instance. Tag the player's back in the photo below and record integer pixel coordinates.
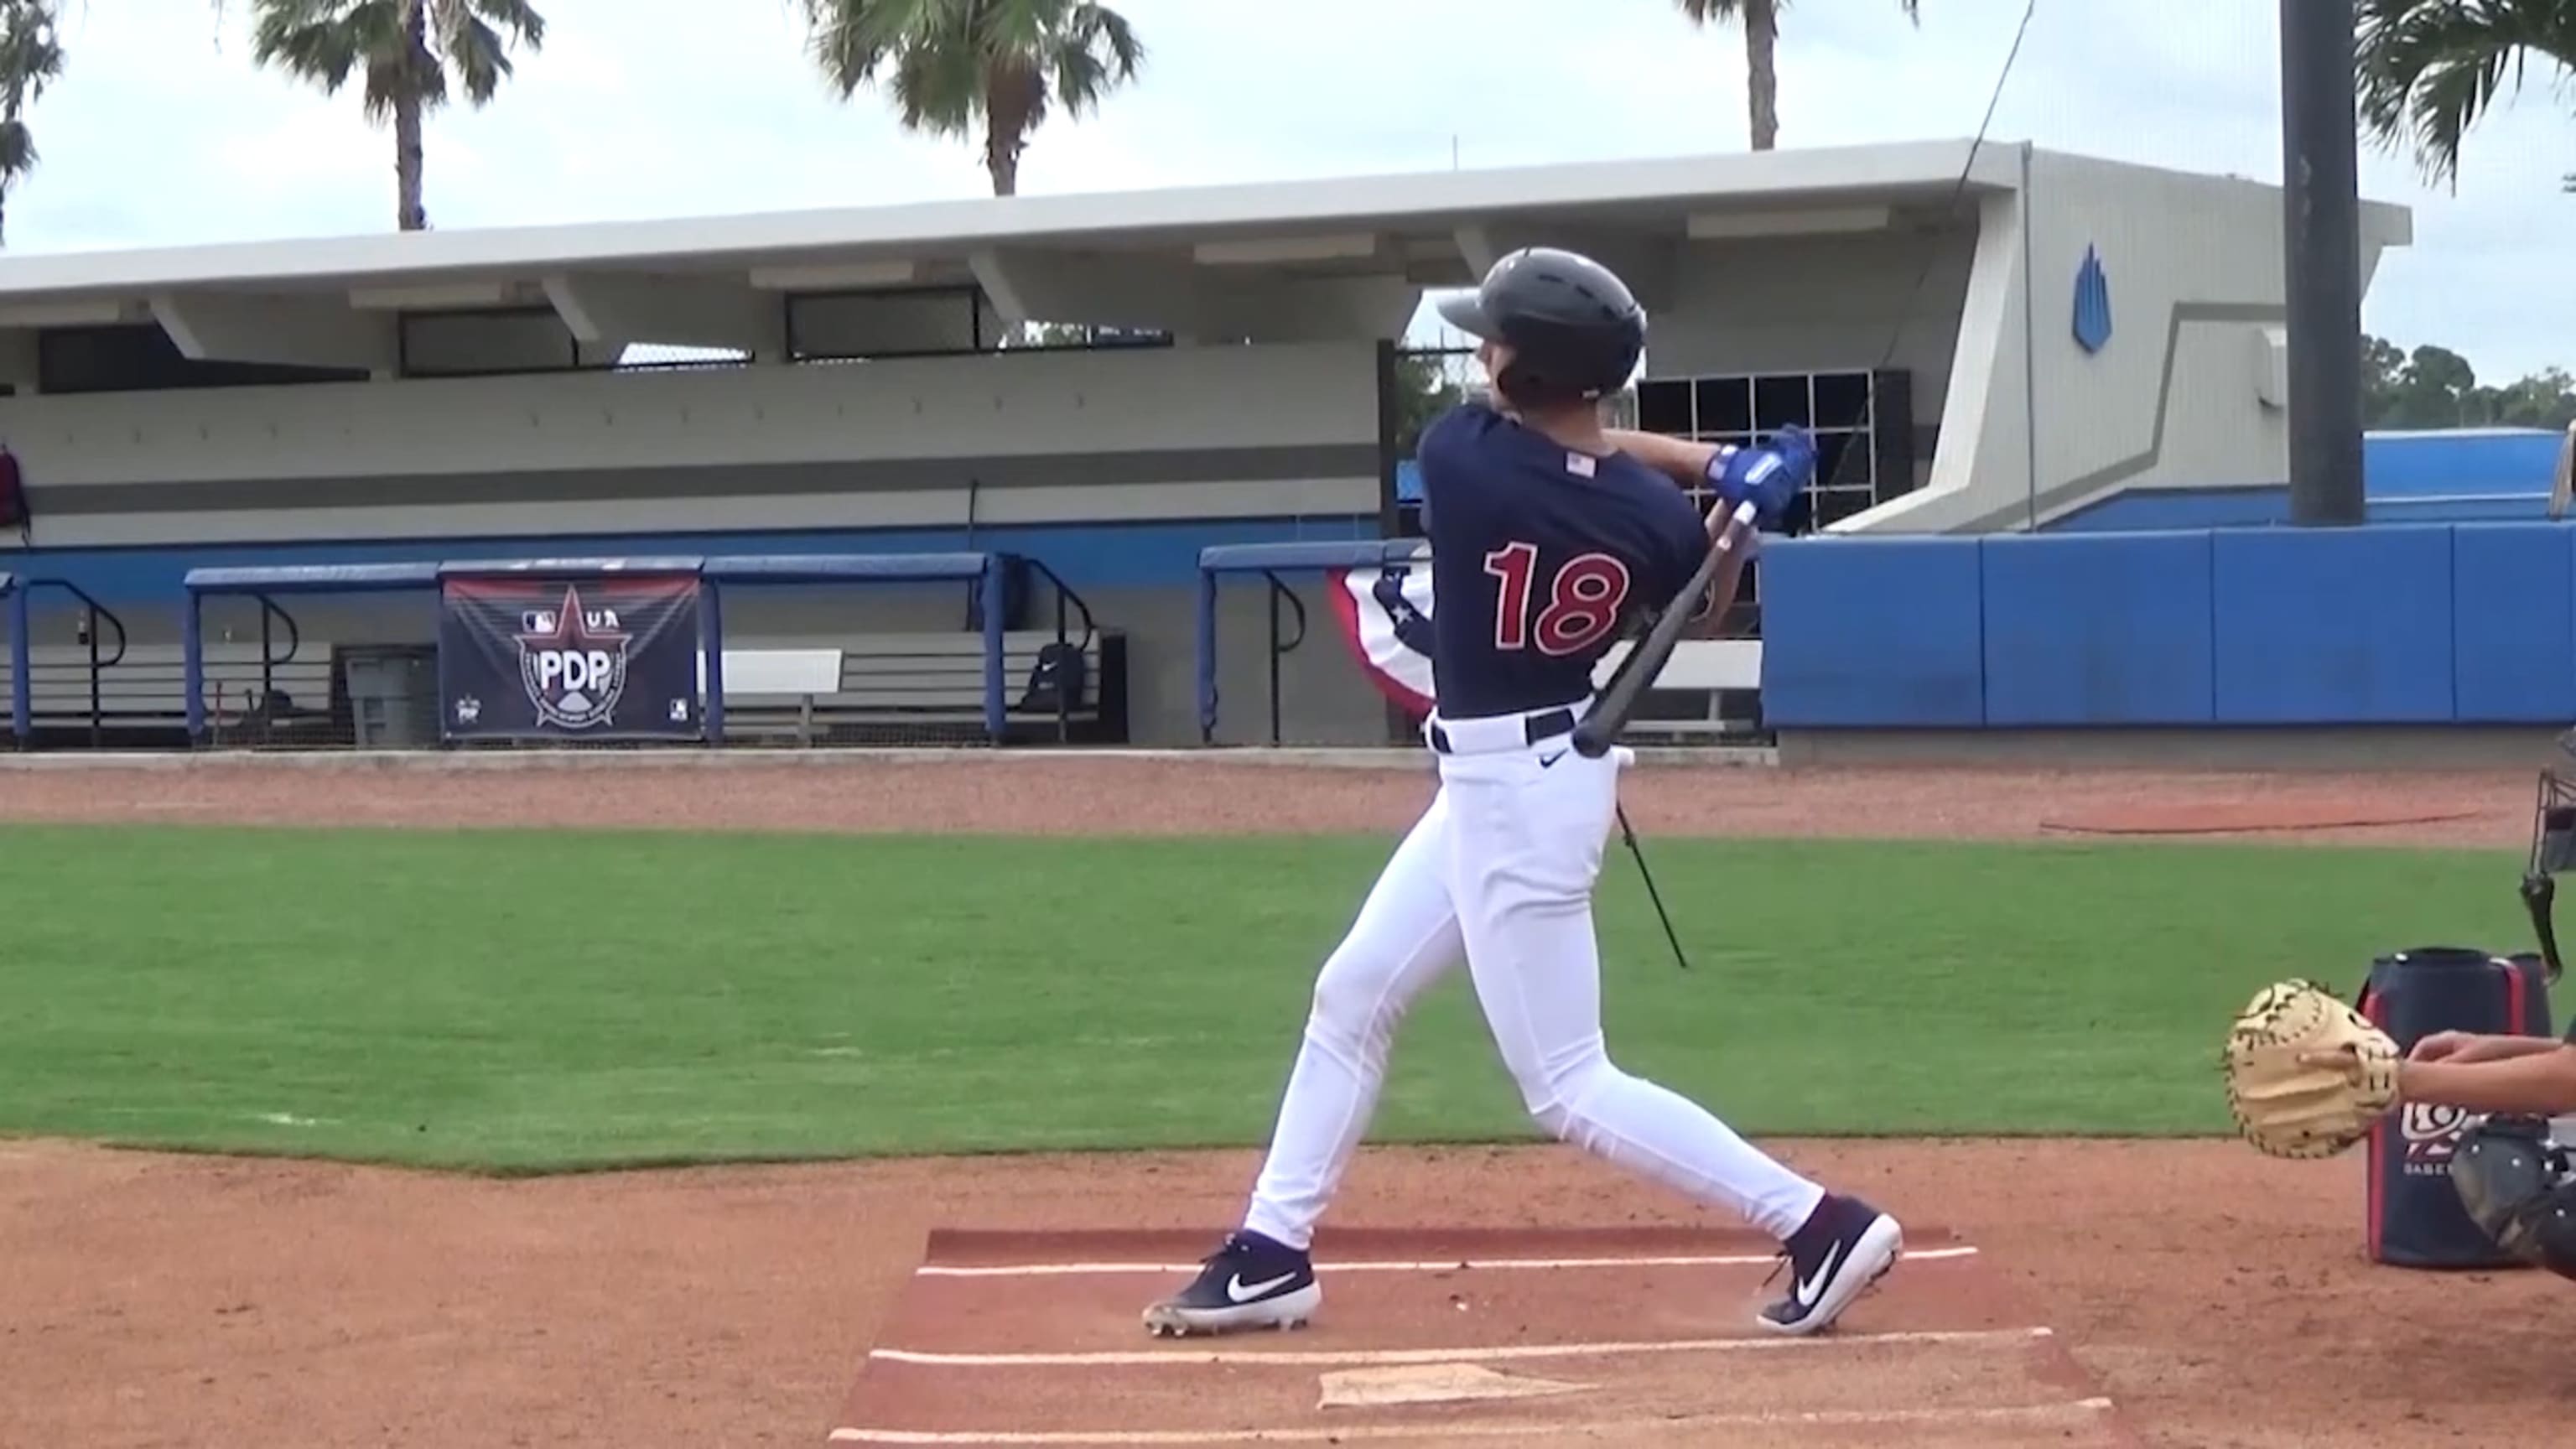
(1539, 555)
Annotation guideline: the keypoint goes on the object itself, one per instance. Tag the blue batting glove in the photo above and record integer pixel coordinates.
(1769, 477)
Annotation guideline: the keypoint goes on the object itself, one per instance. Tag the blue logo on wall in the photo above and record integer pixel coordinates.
(2092, 303)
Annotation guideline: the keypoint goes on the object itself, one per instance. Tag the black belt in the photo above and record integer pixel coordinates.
(1534, 728)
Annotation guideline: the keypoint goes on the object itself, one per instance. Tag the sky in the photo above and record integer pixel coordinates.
(166, 133)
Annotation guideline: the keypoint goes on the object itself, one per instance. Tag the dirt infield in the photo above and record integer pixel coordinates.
(1452, 1337)
(1156, 794)
(2219, 1299)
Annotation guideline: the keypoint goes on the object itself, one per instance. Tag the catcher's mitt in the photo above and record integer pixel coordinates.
(2306, 1074)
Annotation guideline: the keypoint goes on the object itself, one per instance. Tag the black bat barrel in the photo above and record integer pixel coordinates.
(2413, 1214)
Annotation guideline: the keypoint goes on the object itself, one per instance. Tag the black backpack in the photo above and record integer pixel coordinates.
(1057, 676)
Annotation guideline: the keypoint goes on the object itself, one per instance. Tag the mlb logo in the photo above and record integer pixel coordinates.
(536, 621)
(1581, 465)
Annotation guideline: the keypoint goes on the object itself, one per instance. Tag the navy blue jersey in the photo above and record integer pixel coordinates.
(1539, 557)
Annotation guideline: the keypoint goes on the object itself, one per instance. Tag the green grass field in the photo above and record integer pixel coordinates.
(548, 1000)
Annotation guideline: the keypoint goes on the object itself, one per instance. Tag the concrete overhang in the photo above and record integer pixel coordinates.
(1340, 258)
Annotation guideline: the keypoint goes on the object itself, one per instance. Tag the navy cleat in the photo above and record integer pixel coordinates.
(1845, 1247)
(1250, 1282)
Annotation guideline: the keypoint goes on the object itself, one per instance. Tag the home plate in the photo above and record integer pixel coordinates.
(1432, 1383)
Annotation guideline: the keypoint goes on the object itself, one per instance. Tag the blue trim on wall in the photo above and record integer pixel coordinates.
(2467, 476)
(1089, 556)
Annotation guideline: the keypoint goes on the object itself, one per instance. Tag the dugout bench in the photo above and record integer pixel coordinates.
(880, 687)
(1067, 683)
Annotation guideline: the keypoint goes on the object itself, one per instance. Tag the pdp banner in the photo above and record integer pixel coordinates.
(602, 658)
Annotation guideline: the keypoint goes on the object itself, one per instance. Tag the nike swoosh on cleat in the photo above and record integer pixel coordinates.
(1548, 760)
(1242, 1292)
(1811, 1289)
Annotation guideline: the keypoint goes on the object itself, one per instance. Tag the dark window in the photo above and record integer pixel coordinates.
(140, 357)
(1863, 422)
(491, 342)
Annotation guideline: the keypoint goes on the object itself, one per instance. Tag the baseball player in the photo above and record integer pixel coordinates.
(1548, 531)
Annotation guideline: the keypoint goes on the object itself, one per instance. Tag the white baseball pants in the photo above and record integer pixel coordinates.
(1500, 871)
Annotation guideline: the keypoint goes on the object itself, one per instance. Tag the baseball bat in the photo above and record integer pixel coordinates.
(1723, 568)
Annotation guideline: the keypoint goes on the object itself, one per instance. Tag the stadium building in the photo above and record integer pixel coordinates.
(1994, 338)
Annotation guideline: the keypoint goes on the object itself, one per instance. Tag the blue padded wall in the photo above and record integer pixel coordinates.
(2098, 629)
(1872, 631)
(2469, 623)
(2513, 623)
(2332, 625)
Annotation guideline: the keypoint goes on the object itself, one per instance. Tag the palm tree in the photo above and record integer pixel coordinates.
(1761, 44)
(2426, 70)
(407, 50)
(31, 58)
(956, 65)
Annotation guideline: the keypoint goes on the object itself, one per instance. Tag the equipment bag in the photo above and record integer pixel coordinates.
(2414, 1218)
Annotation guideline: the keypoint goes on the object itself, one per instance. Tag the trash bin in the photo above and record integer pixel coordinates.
(393, 695)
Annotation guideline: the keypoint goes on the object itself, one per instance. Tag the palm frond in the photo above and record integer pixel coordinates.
(518, 17)
(324, 41)
(852, 40)
(1098, 51)
(2426, 71)
(31, 55)
(477, 53)
(17, 151)
(394, 77)
(950, 66)
(938, 89)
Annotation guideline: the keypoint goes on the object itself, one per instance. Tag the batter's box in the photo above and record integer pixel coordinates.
(1434, 1337)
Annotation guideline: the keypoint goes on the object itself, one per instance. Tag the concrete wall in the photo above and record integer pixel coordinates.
(1032, 437)
(2187, 391)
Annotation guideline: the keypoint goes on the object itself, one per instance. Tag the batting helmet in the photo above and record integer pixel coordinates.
(1574, 328)
(2517, 1185)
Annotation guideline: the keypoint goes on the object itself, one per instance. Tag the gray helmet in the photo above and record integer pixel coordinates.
(1575, 330)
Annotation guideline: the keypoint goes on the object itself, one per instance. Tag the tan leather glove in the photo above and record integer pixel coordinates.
(2306, 1075)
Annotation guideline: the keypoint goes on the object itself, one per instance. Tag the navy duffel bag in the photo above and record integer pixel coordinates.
(2414, 1214)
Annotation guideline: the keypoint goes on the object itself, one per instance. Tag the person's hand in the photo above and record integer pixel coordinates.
(1768, 476)
(2442, 1046)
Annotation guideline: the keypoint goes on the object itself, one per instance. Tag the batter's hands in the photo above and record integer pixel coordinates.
(1769, 476)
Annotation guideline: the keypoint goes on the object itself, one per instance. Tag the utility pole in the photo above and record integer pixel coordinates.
(2321, 236)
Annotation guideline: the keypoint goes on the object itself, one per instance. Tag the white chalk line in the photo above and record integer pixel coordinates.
(1307, 1358)
(1386, 1265)
(2071, 1408)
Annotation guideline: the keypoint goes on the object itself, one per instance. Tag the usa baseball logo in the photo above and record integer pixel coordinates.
(2432, 1134)
(573, 661)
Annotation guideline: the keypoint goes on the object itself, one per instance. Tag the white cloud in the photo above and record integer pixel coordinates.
(654, 108)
